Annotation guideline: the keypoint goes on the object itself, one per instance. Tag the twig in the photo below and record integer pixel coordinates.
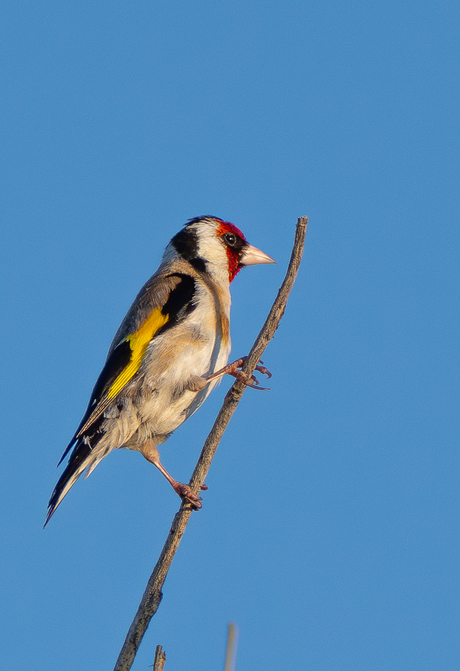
(152, 596)
(230, 654)
(160, 659)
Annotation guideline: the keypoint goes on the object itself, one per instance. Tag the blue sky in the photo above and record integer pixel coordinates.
(329, 533)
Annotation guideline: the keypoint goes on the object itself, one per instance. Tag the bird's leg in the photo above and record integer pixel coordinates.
(234, 369)
(150, 452)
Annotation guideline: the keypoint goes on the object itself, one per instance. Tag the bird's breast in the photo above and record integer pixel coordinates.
(198, 345)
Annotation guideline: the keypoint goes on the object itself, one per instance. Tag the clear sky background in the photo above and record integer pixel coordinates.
(330, 531)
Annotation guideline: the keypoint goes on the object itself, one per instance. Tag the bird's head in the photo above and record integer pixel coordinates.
(217, 247)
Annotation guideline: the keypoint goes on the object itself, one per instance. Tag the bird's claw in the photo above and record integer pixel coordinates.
(251, 381)
(185, 492)
(234, 369)
(264, 371)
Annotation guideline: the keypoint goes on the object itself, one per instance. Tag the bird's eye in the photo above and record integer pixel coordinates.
(230, 239)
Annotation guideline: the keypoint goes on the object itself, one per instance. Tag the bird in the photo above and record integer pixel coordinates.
(170, 350)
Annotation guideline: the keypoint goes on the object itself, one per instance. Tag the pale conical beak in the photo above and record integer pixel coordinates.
(252, 256)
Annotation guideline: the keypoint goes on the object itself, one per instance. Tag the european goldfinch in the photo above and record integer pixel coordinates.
(169, 352)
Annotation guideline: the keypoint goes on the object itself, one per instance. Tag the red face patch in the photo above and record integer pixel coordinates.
(227, 227)
(233, 255)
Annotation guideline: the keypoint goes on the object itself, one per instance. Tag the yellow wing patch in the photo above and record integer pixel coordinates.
(138, 342)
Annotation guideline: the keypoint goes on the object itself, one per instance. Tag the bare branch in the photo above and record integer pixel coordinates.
(230, 654)
(152, 596)
(160, 659)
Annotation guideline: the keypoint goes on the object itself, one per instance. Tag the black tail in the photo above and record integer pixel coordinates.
(70, 475)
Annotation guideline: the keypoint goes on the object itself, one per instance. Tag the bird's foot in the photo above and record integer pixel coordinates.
(234, 370)
(185, 492)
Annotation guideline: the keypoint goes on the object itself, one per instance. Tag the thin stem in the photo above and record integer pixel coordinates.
(152, 596)
(230, 654)
(160, 659)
